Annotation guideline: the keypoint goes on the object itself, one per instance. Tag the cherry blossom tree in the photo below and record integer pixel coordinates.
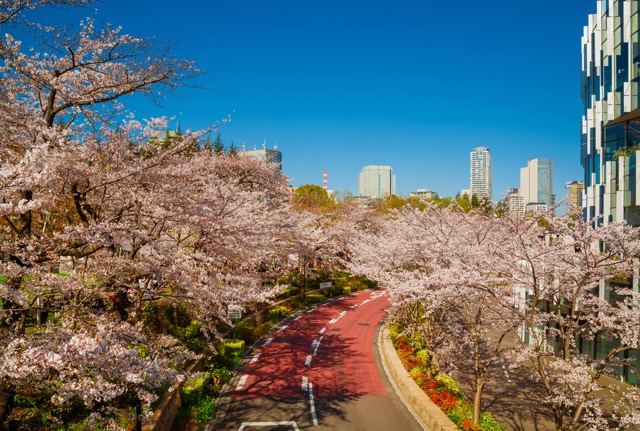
(561, 269)
(432, 261)
(122, 212)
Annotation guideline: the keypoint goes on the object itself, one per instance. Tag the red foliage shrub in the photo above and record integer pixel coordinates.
(468, 425)
(445, 400)
(431, 387)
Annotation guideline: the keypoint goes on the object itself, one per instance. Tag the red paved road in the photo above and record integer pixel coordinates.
(317, 372)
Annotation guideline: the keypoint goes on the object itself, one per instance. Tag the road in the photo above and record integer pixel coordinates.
(318, 371)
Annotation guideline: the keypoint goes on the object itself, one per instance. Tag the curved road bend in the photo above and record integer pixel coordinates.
(317, 372)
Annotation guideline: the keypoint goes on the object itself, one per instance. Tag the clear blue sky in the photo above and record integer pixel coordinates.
(340, 84)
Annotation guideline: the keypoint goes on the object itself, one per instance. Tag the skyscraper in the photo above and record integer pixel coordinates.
(273, 156)
(376, 181)
(480, 172)
(536, 182)
(611, 122)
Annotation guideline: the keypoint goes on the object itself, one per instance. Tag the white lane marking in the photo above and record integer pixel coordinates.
(297, 317)
(317, 345)
(269, 424)
(313, 406)
(314, 344)
(324, 303)
(311, 310)
(242, 381)
(266, 343)
(255, 358)
(308, 361)
(366, 300)
(322, 331)
(354, 306)
(305, 383)
(283, 328)
(334, 320)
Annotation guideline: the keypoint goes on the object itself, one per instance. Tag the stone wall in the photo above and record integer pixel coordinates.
(167, 408)
(427, 411)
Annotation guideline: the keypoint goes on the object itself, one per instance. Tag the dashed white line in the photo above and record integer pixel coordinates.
(366, 300)
(283, 328)
(354, 306)
(311, 310)
(255, 358)
(314, 344)
(315, 350)
(266, 343)
(297, 318)
(308, 361)
(334, 320)
(313, 406)
(242, 381)
(322, 331)
(305, 383)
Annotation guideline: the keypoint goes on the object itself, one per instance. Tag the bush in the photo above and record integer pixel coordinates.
(246, 330)
(202, 411)
(460, 412)
(395, 329)
(278, 313)
(314, 298)
(448, 383)
(233, 347)
(346, 290)
(422, 356)
(193, 390)
(488, 423)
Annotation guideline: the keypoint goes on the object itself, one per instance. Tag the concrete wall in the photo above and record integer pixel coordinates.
(167, 408)
(427, 411)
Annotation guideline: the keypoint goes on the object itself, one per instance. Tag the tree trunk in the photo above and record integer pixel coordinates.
(477, 400)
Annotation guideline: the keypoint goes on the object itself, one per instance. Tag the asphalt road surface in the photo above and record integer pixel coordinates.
(318, 371)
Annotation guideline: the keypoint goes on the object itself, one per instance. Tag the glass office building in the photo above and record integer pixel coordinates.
(611, 121)
(610, 137)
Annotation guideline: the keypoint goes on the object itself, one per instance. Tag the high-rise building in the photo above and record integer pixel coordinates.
(536, 182)
(480, 172)
(575, 192)
(610, 88)
(376, 182)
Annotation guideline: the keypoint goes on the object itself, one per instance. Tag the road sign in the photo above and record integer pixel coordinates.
(234, 313)
(325, 285)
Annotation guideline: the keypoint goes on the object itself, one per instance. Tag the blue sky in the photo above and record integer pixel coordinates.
(340, 84)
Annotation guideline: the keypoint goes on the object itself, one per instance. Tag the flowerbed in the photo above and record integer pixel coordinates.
(441, 389)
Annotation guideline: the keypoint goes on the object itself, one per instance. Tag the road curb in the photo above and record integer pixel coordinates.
(428, 412)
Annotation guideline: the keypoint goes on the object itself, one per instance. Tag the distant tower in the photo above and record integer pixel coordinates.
(480, 172)
(325, 180)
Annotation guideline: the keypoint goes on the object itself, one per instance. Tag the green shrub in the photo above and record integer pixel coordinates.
(278, 313)
(202, 411)
(488, 423)
(346, 290)
(422, 356)
(314, 298)
(289, 291)
(460, 412)
(193, 389)
(395, 329)
(246, 330)
(449, 384)
(220, 376)
(232, 347)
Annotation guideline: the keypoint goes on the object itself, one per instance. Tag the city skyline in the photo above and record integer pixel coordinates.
(375, 89)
